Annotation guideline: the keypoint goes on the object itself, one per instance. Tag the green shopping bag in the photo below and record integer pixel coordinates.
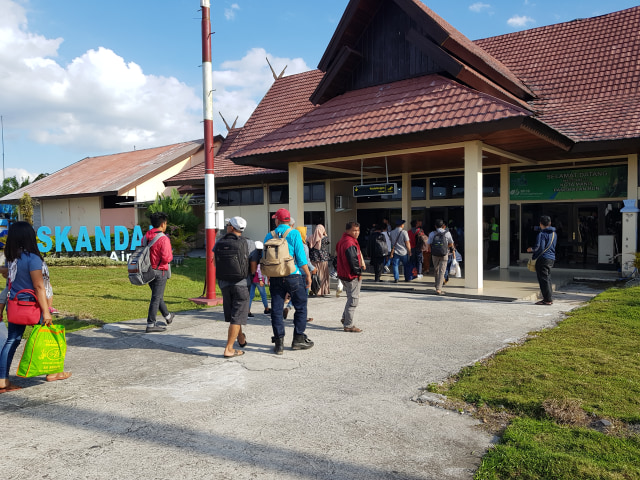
(44, 352)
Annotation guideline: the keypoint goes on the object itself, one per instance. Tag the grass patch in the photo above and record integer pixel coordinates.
(88, 296)
(560, 380)
(533, 449)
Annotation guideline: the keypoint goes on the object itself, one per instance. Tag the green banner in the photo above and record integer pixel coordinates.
(579, 183)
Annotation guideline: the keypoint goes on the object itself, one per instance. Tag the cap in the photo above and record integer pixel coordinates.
(400, 222)
(259, 245)
(283, 215)
(238, 223)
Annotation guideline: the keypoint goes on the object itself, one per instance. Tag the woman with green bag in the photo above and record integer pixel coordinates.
(25, 272)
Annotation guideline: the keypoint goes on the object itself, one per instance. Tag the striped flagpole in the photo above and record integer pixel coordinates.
(209, 185)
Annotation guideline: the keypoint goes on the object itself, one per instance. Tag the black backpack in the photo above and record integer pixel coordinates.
(439, 245)
(380, 247)
(139, 264)
(232, 258)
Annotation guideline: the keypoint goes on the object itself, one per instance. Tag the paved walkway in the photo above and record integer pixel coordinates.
(169, 406)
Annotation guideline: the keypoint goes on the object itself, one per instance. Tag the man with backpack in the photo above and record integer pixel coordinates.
(440, 241)
(160, 255)
(379, 249)
(236, 260)
(285, 263)
(400, 252)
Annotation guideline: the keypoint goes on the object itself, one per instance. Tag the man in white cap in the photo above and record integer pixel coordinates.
(236, 261)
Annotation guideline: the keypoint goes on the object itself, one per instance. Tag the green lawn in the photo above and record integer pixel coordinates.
(104, 294)
(589, 363)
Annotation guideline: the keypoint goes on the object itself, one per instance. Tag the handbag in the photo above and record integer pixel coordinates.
(315, 283)
(23, 311)
(44, 351)
(531, 264)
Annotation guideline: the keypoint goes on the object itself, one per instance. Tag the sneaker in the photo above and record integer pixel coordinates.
(169, 319)
(250, 315)
(395, 280)
(53, 311)
(419, 275)
(386, 269)
(155, 328)
(267, 311)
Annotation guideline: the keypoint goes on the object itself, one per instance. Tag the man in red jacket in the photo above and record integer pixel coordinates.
(350, 268)
(160, 255)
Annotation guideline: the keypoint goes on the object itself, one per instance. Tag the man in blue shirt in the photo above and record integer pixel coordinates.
(296, 285)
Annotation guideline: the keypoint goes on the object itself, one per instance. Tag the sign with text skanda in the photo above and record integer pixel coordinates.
(102, 239)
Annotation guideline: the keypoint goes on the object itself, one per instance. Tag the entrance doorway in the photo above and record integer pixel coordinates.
(589, 233)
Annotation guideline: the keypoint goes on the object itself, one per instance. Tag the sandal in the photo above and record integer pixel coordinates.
(10, 388)
(58, 376)
(542, 302)
(237, 353)
(352, 329)
(245, 340)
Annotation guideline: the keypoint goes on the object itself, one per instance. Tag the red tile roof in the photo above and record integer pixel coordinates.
(286, 100)
(586, 73)
(415, 105)
(108, 174)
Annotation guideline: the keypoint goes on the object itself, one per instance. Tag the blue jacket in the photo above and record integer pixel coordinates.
(543, 241)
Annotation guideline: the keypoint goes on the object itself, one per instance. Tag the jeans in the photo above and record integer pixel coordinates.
(352, 288)
(157, 296)
(9, 349)
(263, 294)
(543, 271)
(295, 286)
(419, 261)
(405, 264)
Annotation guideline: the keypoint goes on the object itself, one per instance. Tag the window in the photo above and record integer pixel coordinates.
(419, 189)
(447, 187)
(242, 196)
(453, 187)
(113, 201)
(314, 192)
(279, 194)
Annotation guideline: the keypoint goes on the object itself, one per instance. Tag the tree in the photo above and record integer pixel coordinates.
(11, 184)
(26, 208)
(177, 209)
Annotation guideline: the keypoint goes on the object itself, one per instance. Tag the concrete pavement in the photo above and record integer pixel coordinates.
(169, 405)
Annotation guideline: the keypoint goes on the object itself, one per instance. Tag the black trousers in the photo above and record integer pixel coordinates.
(377, 264)
(543, 271)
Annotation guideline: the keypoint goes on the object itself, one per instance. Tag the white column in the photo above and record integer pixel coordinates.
(630, 220)
(505, 216)
(406, 199)
(296, 192)
(473, 215)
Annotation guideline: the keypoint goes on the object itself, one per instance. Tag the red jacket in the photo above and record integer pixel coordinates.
(160, 252)
(348, 252)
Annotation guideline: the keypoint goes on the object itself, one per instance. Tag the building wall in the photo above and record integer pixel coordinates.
(73, 212)
(149, 189)
(116, 216)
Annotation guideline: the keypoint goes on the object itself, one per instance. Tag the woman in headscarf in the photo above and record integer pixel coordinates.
(319, 256)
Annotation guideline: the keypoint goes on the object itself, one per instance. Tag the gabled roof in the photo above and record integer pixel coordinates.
(585, 73)
(108, 174)
(448, 48)
(286, 100)
(410, 106)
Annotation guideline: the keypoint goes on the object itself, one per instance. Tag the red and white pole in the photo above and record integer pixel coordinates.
(209, 185)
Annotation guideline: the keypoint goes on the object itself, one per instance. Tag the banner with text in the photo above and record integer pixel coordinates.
(582, 183)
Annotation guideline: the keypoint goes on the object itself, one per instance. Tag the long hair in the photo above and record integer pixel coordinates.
(21, 239)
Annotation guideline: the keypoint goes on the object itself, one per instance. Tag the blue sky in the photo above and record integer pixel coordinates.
(81, 79)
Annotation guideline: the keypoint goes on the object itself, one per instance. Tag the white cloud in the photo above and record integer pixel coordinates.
(520, 21)
(478, 7)
(20, 173)
(97, 102)
(100, 102)
(241, 84)
(230, 13)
